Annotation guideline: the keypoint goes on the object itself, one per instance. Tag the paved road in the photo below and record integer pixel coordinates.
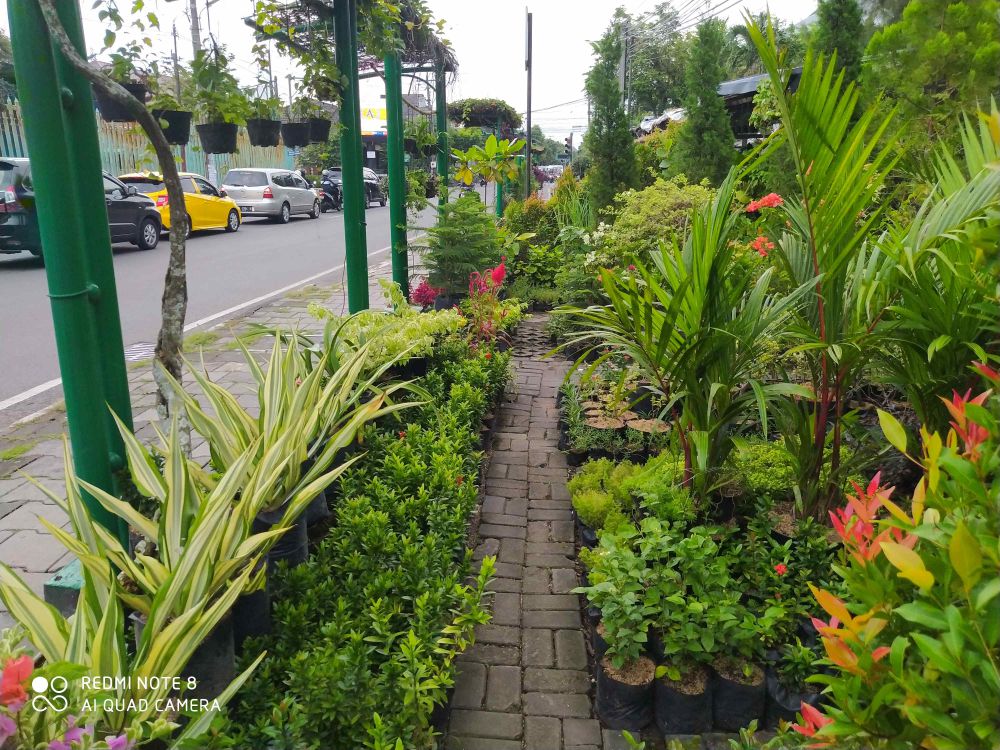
(224, 270)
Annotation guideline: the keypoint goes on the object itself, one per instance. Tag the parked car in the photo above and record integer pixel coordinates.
(131, 217)
(374, 192)
(373, 188)
(275, 193)
(207, 207)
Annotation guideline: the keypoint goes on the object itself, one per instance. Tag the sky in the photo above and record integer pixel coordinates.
(488, 39)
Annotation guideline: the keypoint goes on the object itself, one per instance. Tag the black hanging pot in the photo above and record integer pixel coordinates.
(737, 700)
(263, 132)
(111, 110)
(295, 134)
(319, 129)
(176, 124)
(625, 696)
(684, 706)
(218, 137)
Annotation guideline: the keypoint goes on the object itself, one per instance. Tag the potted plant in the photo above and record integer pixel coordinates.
(739, 689)
(419, 138)
(298, 132)
(625, 674)
(787, 684)
(464, 241)
(175, 121)
(128, 70)
(263, 126)
(219, 101)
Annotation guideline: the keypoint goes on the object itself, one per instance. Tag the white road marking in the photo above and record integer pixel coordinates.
(32, 392)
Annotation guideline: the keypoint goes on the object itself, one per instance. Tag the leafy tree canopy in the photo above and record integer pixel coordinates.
(484, 113)
(840, 29)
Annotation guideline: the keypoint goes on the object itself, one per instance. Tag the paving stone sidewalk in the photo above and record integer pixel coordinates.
(31, 438)
(526, 682)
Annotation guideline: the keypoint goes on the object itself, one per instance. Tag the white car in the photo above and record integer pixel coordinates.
(275, 193)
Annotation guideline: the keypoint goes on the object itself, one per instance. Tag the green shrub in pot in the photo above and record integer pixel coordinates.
(219, 101)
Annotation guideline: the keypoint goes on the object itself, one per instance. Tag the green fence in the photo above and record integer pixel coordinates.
(124, 148)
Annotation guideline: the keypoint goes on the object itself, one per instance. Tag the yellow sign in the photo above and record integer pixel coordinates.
(373, 120)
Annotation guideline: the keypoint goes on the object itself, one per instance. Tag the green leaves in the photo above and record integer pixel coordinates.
(894, 432)
(965, 555)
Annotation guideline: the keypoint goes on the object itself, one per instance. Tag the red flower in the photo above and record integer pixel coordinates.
(814, 721)
(459, 480)
(424, 295)
(762, 245)
(16, 674)
(488, 355)
(402, 434)
(781, 569)
(631, 266)
(498, 274)
(771, 200)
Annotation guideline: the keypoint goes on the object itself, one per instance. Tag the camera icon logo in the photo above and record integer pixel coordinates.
(49, 694)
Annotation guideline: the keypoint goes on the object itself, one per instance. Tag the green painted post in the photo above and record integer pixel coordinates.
(441, 116)
(397, 169)
(85, 154)
(498, 196)
(350, 155)
(52, 106)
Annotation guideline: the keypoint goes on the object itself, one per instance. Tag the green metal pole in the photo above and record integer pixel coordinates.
(350, 155)
(499, 191)
(397, 169)
(64, 221)
(85, 161)
(441, 116)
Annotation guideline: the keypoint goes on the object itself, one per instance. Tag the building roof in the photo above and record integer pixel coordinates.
(749, 84)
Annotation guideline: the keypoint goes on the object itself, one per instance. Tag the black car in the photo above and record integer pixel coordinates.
(373, 185)
(131, 217)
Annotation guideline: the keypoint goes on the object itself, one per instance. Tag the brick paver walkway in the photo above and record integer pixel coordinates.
(526, 683)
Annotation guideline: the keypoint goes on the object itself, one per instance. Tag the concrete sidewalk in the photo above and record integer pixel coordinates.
(31, 435)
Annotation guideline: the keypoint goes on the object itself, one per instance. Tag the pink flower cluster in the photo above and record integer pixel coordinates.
(771, 200)
(425, 294)
(762, 245)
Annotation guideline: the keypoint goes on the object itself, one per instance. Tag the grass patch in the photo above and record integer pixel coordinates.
(200, 339)
(16, 451)
(249, 338)
(306, 292)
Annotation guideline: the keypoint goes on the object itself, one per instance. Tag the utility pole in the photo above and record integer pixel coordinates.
(177, 90)
(289, 77)
(527, 67)
(195, 27)
(272, 85)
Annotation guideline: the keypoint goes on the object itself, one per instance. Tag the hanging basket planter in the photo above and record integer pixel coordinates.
(319, 129)
(218, 137)
(295, 134)
(176, 125)
(263, 132)
(111, 110)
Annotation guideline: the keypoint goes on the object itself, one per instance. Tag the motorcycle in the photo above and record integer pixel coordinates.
(331, 197)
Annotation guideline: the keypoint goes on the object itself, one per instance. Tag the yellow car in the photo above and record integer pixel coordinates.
(207, 206)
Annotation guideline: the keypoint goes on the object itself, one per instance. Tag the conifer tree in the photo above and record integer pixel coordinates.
(840, 29)
(705, 145)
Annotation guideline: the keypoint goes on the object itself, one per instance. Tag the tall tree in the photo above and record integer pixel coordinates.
(705, 145)
(608, 139)
(941, 58)
(741, 58)
(840, 29)
(657, 61)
